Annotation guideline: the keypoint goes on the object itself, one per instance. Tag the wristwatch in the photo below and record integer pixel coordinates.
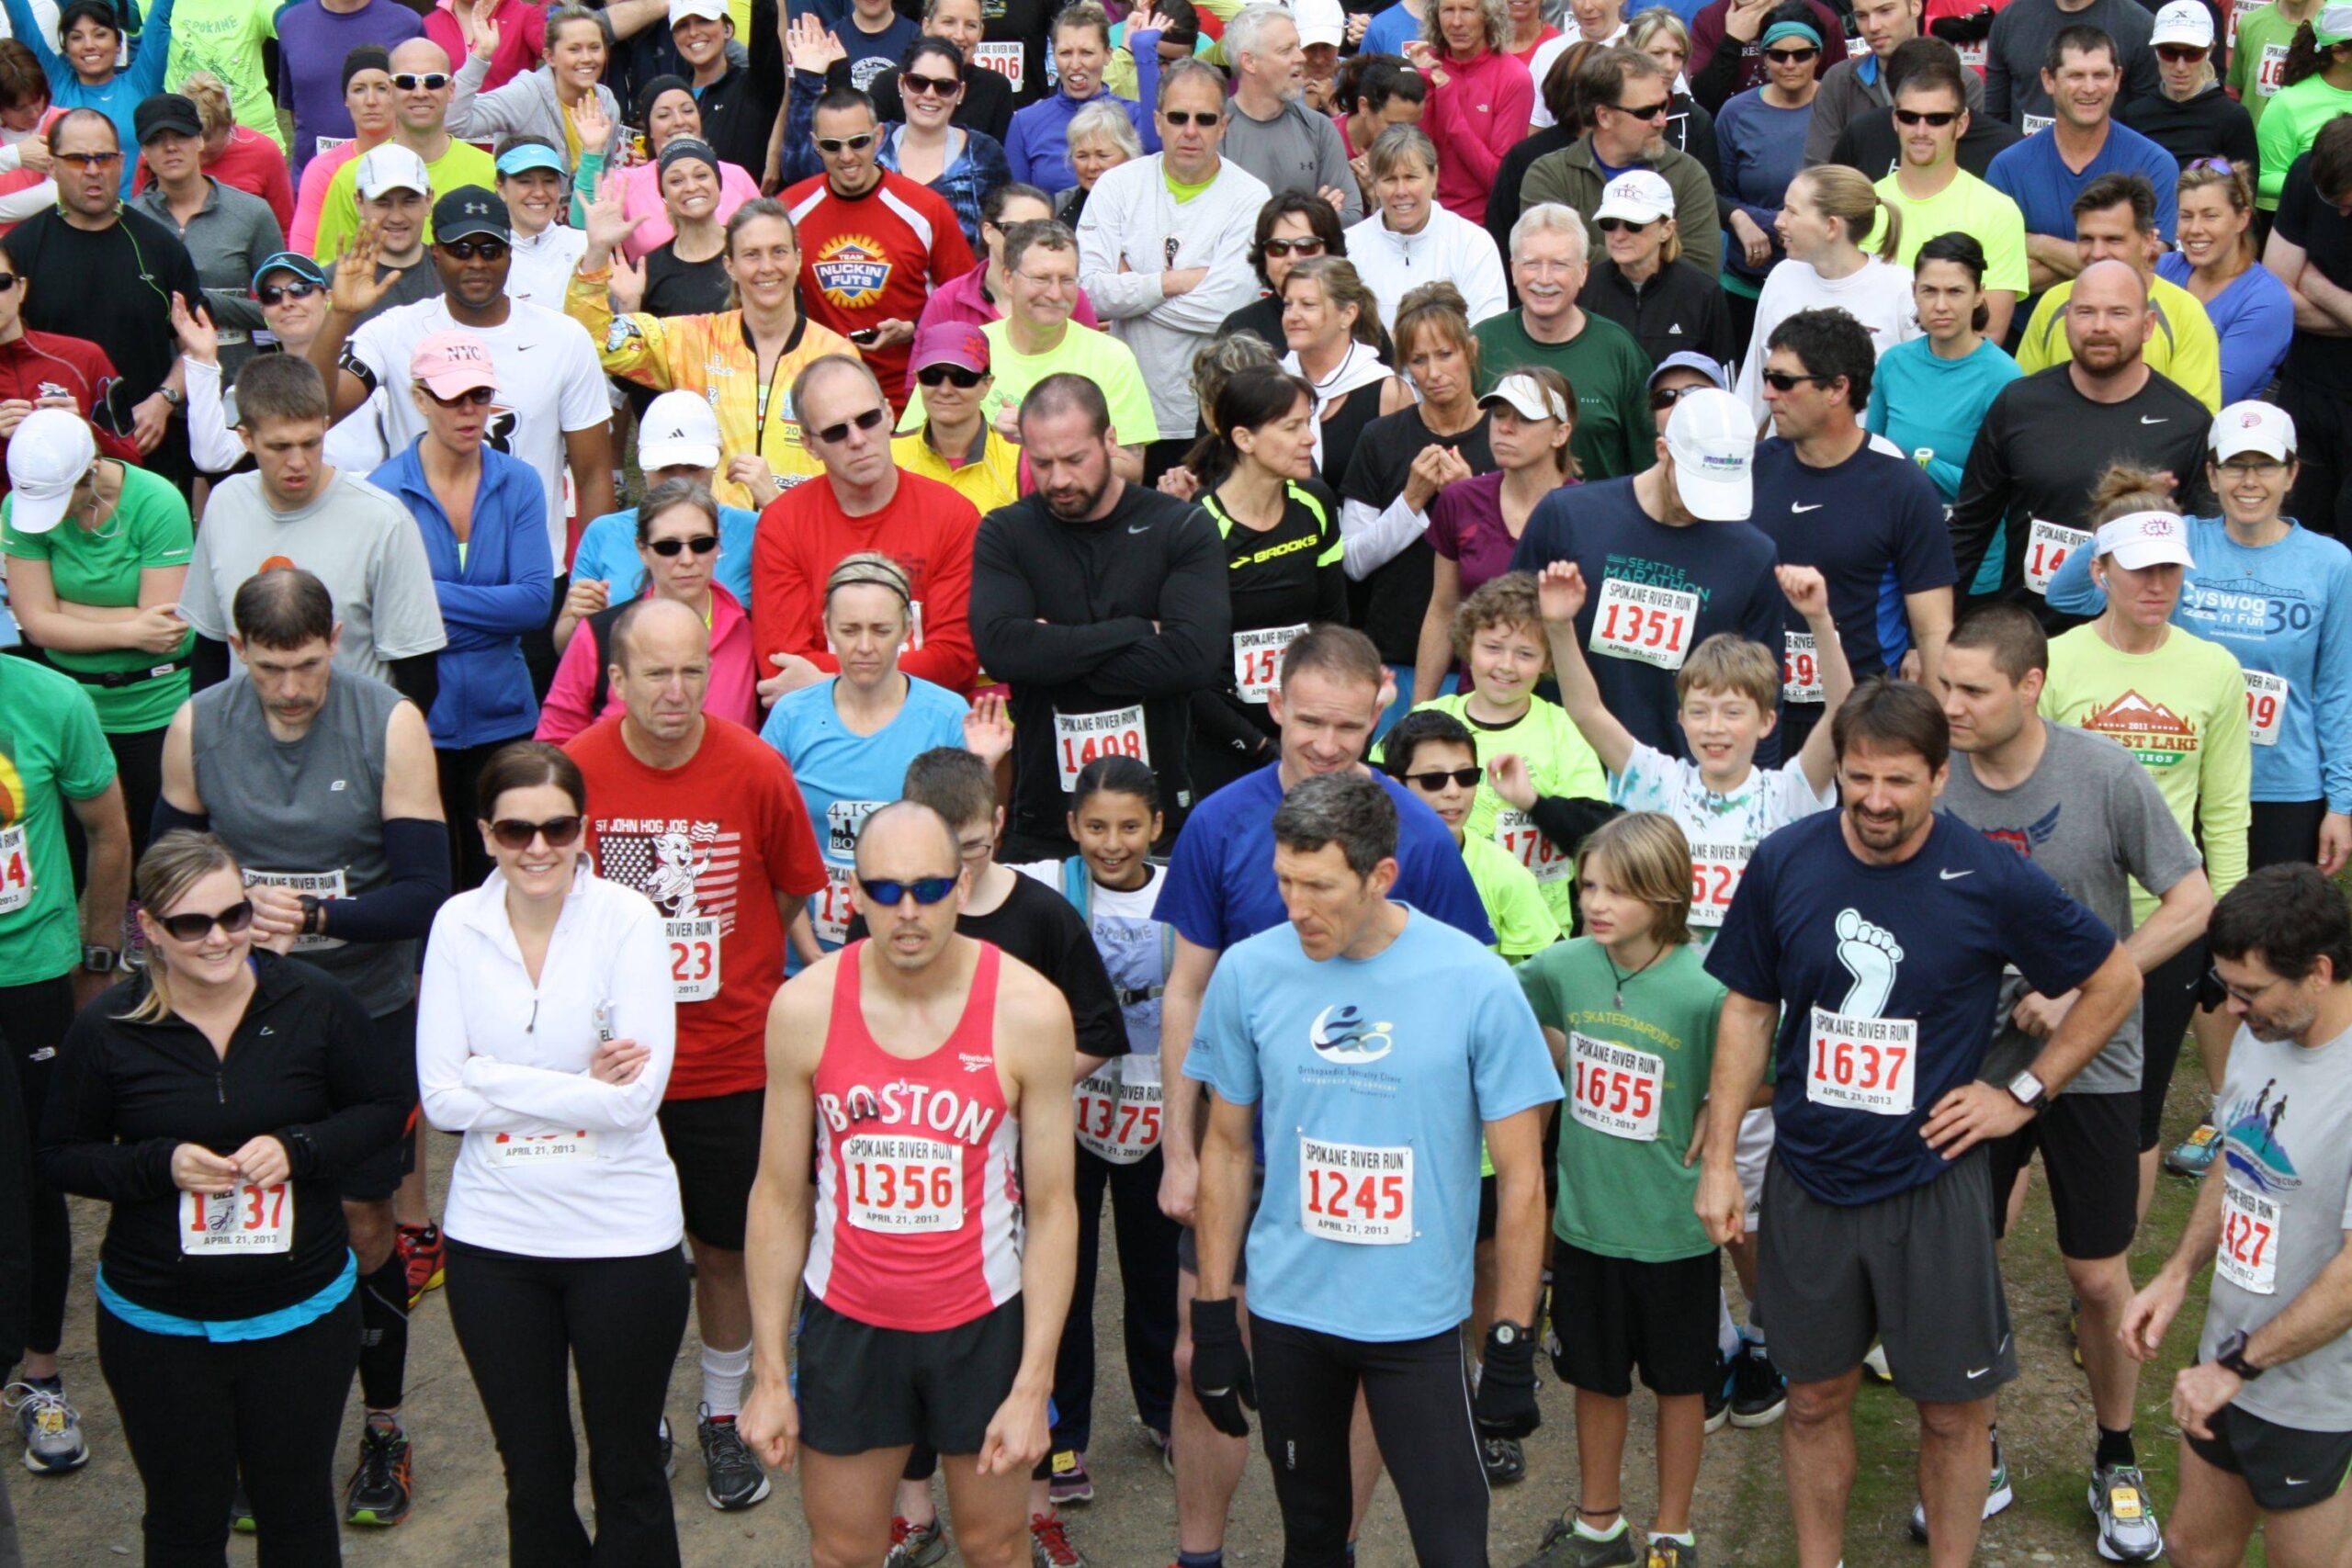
(2231, 1353)
(1507, 1335)
(313, 922)
(2029, 1091)
(171, 395)
(97, 960)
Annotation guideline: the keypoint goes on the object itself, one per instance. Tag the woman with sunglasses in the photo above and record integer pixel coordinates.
(483, 517)
(564, 100)
(1759, 135)
(81, 64)
(1037, 147)
(2191, 116)
(1481, 99)
(849, 736)
(2252, 312)
(986, 105)
(929, 149)
(546, 1031)
(678, 540)
(213, 1101)
(1829, 209)
(1333, 341)
(1294, 226)
(292, 293)
(1641, 283)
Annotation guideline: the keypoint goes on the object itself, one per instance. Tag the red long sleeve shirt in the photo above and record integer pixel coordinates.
(41, 364)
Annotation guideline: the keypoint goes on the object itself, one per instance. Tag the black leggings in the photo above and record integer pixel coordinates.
(139, 767)
(526, 1324)
(2166, 1001)
(1147, 1242)
(2282, 832)
(36, 1018)
(195, 1414)
(459, 767)
(1419, 1390)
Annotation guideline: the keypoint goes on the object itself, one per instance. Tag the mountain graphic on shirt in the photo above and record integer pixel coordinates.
(2250, 1139)
(2149, 730)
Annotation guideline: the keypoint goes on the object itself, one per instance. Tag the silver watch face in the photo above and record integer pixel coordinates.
(2026, 1088)
(1505, 1333)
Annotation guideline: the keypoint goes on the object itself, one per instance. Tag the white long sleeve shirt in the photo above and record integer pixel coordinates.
(555, 1164)
(1449, 248)
(1133, 217)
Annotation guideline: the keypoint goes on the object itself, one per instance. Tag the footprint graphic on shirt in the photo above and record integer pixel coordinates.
(1869, 954)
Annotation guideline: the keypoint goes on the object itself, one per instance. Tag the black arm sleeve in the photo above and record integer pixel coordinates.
(417, 678)
(1568, 820)
(1718, 82)
(168, 816)
(208, 664)
(402, 910)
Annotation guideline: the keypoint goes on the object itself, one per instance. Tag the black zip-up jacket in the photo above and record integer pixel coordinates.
(1681, 307)
(300, 1067)
(1064, 614)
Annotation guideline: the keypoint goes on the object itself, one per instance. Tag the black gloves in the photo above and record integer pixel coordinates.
(1504, 1404)
(1221, 1380)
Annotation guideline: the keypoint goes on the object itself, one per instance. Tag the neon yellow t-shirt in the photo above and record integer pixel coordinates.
(1083, 351)
(460, 163)
(1967, 206)
(2184, 349)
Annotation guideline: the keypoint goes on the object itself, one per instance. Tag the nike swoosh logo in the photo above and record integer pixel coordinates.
(1801, 506)
(1954, 876)
(1144, 529)
(2145, 420)
(2296, 1480)
(1979, 1372)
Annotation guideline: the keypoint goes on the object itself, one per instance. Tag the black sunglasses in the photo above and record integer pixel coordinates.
(869, 420)
(939, 86)
(701, 543)
(1436, 779)
(1306, 247)
(886, 894)
(932, 375)
(7, 281)
(515, 834)
(278, 293)
(1192, 116)
(1647, 111)
(1792, 56)
(478, 397)
(431, 81)
(1936, 118)
(231, 920)
(837, 145)
(1665, 398)
(2181, 53)
(1789, 381)
(467, 249)
(1613, 225)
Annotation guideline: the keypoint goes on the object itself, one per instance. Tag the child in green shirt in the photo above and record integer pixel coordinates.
(1432, 753)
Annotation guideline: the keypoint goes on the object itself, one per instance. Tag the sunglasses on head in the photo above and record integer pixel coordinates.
(431, 81)
(1613, 225)
(1788, 380)
(885, 894)
(871, 419)
(1791, 56)
(478, 397)
(191, 927)
(836, 145)
(467, 249)
(1202, 118)
(1644, 111)
(701, 543)
(1436, 779)
(1936, 118)
(940, 86)
(2181, 53)
(1306, 247)
(512, 833)
(934, 375)
(278, 293)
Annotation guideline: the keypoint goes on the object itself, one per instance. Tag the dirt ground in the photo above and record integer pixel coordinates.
(92, 1517)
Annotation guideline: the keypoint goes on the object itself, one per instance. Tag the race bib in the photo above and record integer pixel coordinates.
(1715, 871)
(2248, 1256)
(1616, 1087)
(1517, 833)
(1119, 1109)
(1005, 59)
(830, 911)
(1258, 660)
(2047, 546)
(1079, 737)
(508, 1150)
(16, 869)
(1355, 1192)
(1643, 621)
(320, 885)
(1973, 55)
(250, 1219)
(2034, 122)
(694, 957)
(2271, 74)
(1863, 1064)
(902, 1186)
(1800, 667)
(2266, 705)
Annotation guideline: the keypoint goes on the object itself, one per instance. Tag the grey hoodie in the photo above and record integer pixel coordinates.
(525, 106)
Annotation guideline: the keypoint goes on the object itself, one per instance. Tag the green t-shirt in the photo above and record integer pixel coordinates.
(2257, 58)
(1614, 436)
(149, 527)
(1083, 351)
(460, 163)
(1966, 206)
(1524, 922)
(1624, 1191)
(50, 751)
(2289, 125)
(225, 37)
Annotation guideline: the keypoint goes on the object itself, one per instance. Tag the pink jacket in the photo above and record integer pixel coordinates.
(641, 196)
(734, 690)
(1480, 114)
(317, 174)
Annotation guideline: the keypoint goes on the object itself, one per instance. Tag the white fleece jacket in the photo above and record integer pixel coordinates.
(1448, 247)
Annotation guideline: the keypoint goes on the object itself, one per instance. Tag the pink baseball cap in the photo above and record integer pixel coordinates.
(451, 362)
(959, 343)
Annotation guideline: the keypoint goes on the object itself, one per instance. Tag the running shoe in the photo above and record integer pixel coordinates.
(916, 1546)
(423, 1254)
(1069, 1482)
(2128, 1531)
(2193, 1156)
(1162, 1447)
(241, 1509)
(1050, 1544)
(1672, 1554)
(1719, 1393)
(1759, 1392)
(731, 1477)
(383, 1485)
(1997, 1496)
(50, 1427)
(669, 1441)
(1875, 1363)
(1505, 1461)
(1563, 1547)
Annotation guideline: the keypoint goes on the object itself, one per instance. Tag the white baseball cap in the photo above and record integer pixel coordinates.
(391, 166)
(1526, 397)
(51, 451)
(1711, 436)
(2140, 539)
(1638, 196)
(2334, 24)
(1319, 21)
(708, 10)
(679, 428)
(2252, 426)
(2184, 21)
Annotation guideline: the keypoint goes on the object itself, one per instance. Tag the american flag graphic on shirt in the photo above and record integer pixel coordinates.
(689, 869)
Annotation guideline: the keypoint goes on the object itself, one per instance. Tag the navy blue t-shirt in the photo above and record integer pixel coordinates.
(1654, 593)
(1220, 884)
(1911, 950)
(1873, 526)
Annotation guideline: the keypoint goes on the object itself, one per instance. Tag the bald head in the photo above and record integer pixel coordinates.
(419, 110)
(2108, 321)
(659, 630)
(660, 654)
(907, 840)
(2112, 279)
(420, 54)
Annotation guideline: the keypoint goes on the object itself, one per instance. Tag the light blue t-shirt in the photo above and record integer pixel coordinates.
(607, 552)
(2284, 609)
(843, 775)
(1373, 1078)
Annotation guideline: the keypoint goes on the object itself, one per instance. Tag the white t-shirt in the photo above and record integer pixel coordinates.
(1131, 945)
(1878, 294)
(1724, 830)
(544, 263)
(550, 383)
